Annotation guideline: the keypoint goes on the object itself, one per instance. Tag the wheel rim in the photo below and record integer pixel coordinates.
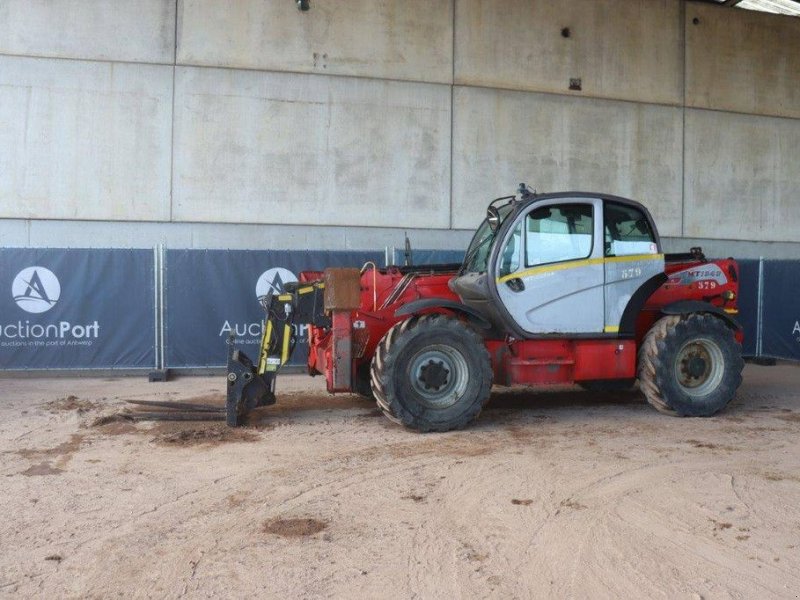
(439, 375)
(699, 367)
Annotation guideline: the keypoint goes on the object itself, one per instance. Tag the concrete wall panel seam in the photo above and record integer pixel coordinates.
(88, 60)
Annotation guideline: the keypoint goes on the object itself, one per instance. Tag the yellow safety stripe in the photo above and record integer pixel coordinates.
(285, 297)
(731, 311)
(310, 288)
(611, 329)
(574, 264)
(285, 350)
(614, 259)
(262, 359)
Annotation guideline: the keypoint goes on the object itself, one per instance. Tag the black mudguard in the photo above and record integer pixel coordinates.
(685, 307)
(416, 306)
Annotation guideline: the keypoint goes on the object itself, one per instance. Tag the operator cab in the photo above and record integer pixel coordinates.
(565, 263)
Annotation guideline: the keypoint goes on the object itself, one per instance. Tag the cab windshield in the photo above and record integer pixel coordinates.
(477, 255)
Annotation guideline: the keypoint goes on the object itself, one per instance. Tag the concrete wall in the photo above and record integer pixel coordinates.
(623, 49)
(135, 31)
(564, 143)
(406, 39)
(199, 123)
(748, 64)
(84, 139)
(742, 178)
(260, 147)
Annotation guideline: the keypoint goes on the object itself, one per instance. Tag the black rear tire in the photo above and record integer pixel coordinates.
(431, 373)
(690, 365)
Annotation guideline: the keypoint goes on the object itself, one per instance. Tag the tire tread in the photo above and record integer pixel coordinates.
(390, 349)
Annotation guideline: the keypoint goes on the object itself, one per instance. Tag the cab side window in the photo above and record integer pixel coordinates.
(558, 233)
(509, 259)
(627, 231)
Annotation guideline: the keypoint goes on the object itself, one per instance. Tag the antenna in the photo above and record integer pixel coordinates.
(407, 253)
(525, 192)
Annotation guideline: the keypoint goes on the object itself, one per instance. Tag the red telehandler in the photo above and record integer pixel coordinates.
(555, 288)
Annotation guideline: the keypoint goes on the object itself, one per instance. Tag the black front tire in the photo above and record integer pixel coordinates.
(690, 365)
(431, 373)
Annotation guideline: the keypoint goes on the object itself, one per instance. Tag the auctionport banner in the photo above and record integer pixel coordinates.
(76, 308)
(213, 293)
(780, 336)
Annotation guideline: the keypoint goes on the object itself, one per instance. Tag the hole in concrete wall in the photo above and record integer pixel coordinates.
(696, 21)
(575, 84)
(565, 32)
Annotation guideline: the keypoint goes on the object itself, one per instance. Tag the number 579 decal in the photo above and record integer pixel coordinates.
(631, 273)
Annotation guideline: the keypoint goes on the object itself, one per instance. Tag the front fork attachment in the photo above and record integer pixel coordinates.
(247, 388)
(251, 385)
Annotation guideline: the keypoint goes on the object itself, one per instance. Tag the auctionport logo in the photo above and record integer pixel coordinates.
(271, 281)
(36, 289)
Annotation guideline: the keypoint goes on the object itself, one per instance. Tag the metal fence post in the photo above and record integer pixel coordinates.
(156, 311)
(760, 308)
(160, 373)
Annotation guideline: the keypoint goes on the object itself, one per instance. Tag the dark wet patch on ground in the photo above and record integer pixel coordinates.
(114, 424)
(62, 452)
(711, 445)
(182, 435)
(414, 497)
(293, 528)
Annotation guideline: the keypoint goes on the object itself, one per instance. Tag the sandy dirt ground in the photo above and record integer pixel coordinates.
(562, 494)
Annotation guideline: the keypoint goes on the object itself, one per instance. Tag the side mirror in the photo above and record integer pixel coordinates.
(493, 217)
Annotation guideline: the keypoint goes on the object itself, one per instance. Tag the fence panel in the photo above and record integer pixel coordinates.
(780, 311)
(89, 309)
(212, 293)
(76, 308)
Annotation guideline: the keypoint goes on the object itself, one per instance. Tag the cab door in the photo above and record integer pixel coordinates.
(632, 257)
(550, 272)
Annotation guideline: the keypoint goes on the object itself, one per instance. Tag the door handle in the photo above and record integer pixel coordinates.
(515, 284)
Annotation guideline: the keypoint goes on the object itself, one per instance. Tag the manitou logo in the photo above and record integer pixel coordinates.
(796, 330)
(36, 289)
(272, 281)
